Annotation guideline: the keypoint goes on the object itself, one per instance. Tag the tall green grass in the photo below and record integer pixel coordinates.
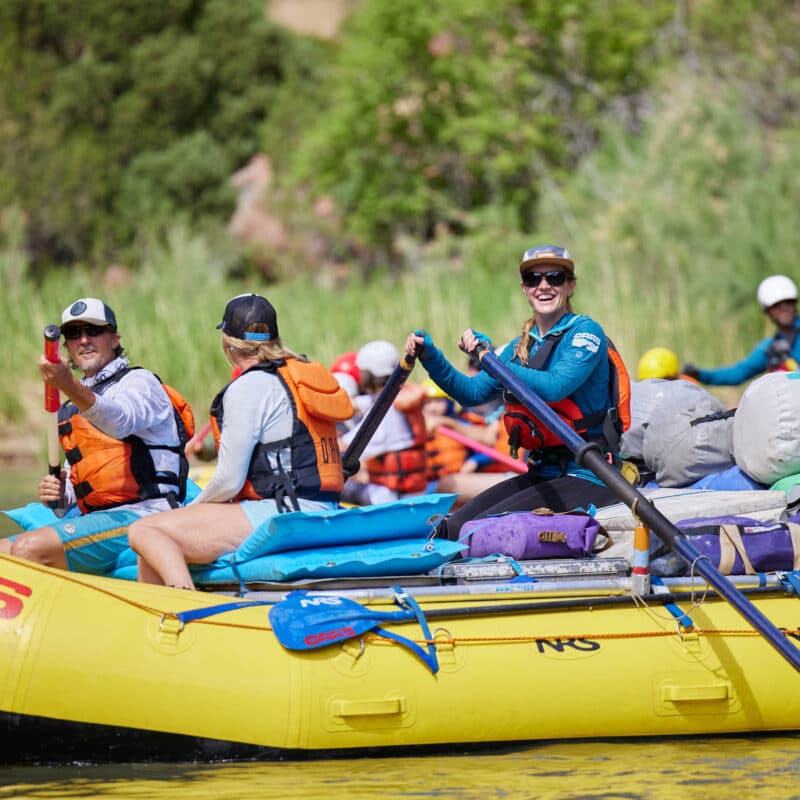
(671, 231)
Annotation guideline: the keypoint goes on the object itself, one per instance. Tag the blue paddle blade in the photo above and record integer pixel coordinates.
(305, 622)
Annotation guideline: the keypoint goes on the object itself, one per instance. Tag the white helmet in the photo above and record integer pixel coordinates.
(774, 289)
(379, 358)
(348, 383)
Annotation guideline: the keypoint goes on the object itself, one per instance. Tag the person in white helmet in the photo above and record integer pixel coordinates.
(777, 296)
(393, 461)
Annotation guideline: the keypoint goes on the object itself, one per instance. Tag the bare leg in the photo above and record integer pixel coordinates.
(147, 574)
(197, 534)
(42, 545)
(5, 546)
(468, 484)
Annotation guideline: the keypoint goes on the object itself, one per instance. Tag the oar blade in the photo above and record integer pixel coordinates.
(306, 622)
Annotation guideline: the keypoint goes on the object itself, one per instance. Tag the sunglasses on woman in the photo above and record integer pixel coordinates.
(76, 331)
(555, 278)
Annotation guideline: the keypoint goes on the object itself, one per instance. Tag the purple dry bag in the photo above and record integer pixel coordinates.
(540, 533)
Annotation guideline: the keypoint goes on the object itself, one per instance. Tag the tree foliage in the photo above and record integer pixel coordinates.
(116, 117)
(433, 109)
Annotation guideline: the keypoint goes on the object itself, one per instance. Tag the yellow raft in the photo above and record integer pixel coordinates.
(99, 669)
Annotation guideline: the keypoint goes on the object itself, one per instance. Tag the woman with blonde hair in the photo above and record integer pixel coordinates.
(275, 428)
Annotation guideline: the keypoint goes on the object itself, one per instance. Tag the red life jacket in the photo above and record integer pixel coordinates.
(315, 468)
(107, 472)
(501, 442)
(527, 431)
(404, 471)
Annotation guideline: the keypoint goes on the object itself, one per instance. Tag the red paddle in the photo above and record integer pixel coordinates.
(513, 464)
(51, 405)
(206, 429)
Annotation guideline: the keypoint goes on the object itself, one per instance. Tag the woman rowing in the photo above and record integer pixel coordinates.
(275, 427)
(566, 359)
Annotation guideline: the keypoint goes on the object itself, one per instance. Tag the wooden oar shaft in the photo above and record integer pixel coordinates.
(374, 417)
(591, 457)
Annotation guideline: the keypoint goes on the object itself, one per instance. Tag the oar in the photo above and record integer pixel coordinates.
(52, 402)
(374, 417)
(513, 464)
(590, 456)
(306, 622)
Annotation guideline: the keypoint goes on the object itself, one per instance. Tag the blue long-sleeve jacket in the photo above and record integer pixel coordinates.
(753, 364)
(576, 368)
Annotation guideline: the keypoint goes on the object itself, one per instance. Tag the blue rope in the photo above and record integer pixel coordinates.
(791, 581)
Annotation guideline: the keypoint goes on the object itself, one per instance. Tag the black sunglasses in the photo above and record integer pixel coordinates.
(76, 331)
(555, 278)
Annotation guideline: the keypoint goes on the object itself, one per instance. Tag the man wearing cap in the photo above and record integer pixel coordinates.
(562, 357)
(777, 296)
(123, 443)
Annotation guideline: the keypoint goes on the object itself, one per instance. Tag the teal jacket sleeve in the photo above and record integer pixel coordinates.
(753, 364)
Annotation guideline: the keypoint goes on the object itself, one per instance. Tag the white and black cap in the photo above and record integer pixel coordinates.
(89, 309)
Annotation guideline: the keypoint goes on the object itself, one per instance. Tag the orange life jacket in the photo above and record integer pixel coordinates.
(404, 471)
(443, 455)
(107, 472)
(315, 468)
(527, 431)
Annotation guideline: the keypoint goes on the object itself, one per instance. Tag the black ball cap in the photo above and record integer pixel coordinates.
(246, 310)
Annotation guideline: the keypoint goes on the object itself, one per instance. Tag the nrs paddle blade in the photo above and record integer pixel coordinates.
(305, 621)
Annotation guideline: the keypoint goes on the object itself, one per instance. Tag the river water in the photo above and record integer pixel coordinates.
(763, 766)
(706, 767)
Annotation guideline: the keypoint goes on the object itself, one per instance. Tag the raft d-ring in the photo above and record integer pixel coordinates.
(433, 523)
(446, 635)
(361, 649)
(164, 617)
(683, 630)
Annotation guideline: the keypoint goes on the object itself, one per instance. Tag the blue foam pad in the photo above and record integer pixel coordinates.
(411, 517)
(393, 557)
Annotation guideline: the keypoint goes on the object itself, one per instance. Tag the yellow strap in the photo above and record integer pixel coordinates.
(730, 543)
(794, 532)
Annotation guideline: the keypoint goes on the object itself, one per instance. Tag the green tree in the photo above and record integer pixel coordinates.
(115, 117)
(433, 109)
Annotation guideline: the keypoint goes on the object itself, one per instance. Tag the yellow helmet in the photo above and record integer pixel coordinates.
(659, 362)
(432, 389)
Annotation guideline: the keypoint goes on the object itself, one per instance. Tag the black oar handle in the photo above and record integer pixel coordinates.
(366, 430)
(590, 456)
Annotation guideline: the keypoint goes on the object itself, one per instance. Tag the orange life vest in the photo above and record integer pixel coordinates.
(404, 471)
(315, 468)
(107, 472)
(527, 431)
(443, 455)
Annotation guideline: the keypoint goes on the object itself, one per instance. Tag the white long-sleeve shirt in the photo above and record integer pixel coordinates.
(256, 408)
(136, 405)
